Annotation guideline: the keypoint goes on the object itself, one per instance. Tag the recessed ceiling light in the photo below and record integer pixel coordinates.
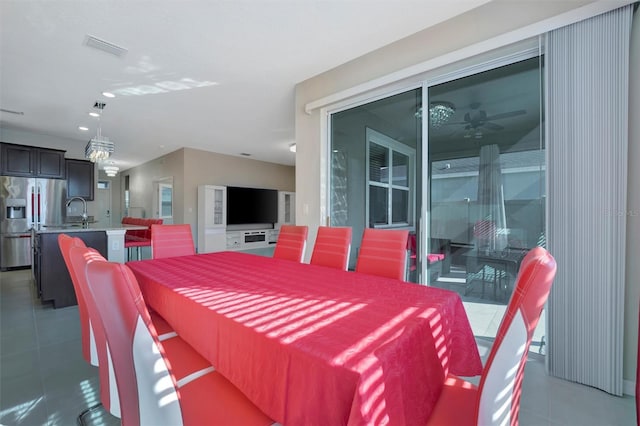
(83, 128)
(108, 95)
(94, 114)
(292, 147)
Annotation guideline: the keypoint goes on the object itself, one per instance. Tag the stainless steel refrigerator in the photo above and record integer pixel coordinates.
(27, 204)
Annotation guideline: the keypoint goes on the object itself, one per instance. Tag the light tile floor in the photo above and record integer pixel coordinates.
(45, 381)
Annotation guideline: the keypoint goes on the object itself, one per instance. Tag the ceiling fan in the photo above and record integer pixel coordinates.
(477, 118)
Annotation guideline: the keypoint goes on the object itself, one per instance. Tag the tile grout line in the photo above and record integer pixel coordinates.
(34, 301)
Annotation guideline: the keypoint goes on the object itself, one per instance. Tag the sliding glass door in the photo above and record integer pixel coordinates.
(472, 197)
(374, 177)
(486, 194)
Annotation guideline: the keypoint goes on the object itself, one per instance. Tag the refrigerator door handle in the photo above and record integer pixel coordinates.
(39, 223)
(33, 199)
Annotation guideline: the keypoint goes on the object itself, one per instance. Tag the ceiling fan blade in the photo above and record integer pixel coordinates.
(506, 114)
(493, 126)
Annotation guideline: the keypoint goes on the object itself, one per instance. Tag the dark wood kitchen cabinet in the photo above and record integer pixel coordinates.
(80, 179)
(52, 278)
(29, 161)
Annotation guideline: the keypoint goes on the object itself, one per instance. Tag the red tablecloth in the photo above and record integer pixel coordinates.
(312, 345)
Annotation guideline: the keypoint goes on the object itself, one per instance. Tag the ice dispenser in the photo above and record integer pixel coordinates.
(16, 209)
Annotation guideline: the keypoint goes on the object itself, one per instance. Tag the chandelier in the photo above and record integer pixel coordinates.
(111, 170)
(440, 112)
(99, 147)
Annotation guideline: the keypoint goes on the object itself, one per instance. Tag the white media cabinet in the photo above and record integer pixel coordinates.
(213, 234)
(251, 239)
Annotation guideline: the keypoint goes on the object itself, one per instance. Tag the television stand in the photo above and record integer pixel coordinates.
(251, 239)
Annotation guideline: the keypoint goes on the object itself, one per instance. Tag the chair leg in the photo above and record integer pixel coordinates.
(91, 409)
(484, 280)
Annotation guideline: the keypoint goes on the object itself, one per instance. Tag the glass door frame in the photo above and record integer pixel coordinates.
(519, 50)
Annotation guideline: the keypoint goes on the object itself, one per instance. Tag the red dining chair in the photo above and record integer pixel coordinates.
(383, 252)
(65, 242)
(176, 348)
(332, 247)
(87, 337)
(77, 255)
(292, 242)
(496, 400)
(149, 391)
(171, 241)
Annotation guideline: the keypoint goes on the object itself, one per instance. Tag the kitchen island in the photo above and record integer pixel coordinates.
(51, 276)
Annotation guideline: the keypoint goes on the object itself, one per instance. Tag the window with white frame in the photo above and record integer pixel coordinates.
(390, 187)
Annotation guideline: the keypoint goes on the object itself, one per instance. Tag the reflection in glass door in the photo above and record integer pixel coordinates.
(473, 198)
(487, 185)
(375, 176)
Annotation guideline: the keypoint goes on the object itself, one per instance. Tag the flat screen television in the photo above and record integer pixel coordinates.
(251, 205)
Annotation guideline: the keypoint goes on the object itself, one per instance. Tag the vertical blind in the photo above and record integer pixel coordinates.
(587, 73)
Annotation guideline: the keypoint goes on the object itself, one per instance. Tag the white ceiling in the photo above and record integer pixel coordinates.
(212, 75)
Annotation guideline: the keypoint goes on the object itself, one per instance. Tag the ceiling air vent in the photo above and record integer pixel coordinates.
(105, 46)
(10, 111)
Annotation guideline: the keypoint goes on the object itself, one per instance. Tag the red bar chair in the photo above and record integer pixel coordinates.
(171, 241)
(332, 247)
(383, 252)
(292, 242)
(496, 401)
(138, 238)
(150, 393)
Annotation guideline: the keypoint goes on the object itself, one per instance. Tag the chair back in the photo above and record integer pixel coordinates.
(383, 252)
(171, 241)
(146, 386)
(88, 343)
(501, 381)
(292, 242)
(332, 247)
(80, 257)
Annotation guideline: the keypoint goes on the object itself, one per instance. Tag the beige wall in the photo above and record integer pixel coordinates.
(143, 181)
(478, 25)
(208, 168)
(190, 168)
(473, 27)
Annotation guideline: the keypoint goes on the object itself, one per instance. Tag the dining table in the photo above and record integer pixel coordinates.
(312, 345)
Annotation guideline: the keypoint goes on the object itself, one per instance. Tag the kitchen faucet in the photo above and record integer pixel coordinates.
(85, 217)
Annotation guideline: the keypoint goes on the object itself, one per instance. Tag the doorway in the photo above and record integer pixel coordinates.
(104, 207)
